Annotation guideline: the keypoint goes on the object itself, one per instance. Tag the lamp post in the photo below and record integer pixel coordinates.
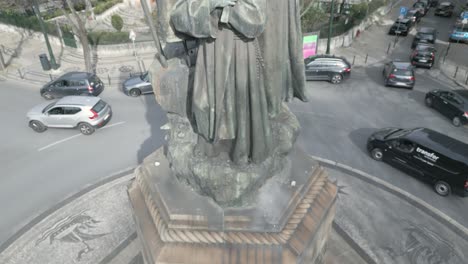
(330, 26)
(53, 64)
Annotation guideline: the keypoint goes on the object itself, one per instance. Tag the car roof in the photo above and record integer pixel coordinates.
(76, 75)
(440, 143)
(78, 100)
(445, 3)
(403, 20)
(426, 30)
(424, 45)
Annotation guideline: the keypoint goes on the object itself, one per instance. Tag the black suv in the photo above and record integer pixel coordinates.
(453, 104)
(414, 15)
(400, 74)
(424, 35)
(401, 27)
(327, 67)
(423, 55)
(73, 83)
(444, 9)
(422, 6)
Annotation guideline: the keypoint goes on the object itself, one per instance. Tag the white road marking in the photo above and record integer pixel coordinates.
(75, 136)
(60, 141)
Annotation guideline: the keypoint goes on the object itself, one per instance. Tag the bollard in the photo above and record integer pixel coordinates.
(354, 58)
(20, 74)
(466, 80)
(50, 76)
(456, 71)
(367, 55)
(2, 61)
(108, 79)
(389, 46)
(143, 64)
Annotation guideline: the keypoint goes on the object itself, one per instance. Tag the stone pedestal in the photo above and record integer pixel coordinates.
(288, 220)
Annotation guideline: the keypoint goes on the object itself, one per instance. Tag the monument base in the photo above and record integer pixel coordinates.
(289, 222)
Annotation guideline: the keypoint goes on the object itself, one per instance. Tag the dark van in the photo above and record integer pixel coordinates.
(427, 154)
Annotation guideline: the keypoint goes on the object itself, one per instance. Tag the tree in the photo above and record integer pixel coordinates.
(79, 28)
(117, 22)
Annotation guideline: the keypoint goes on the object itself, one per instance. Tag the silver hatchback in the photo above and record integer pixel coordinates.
(85, 112)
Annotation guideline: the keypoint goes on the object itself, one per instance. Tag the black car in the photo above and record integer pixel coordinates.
(327, 67)
(452, 104)
(422, 7)
(427, 154)
(433, 3)
(401, 27)
(415, 15)
(424, 35)
(400, 74)
(423, 55)
(444, 9)
(73, 83)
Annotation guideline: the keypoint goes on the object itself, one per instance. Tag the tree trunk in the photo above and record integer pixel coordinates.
(79, 27)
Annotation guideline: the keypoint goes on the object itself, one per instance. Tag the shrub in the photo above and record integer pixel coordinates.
(102, 6)
(27, 22)
(117, 22)
(359, 11)
(107, 38)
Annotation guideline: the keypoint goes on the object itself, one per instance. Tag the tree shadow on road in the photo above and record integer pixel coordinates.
(156, 118)
(359, 137)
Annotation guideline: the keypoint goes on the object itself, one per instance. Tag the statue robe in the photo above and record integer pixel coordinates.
(281, 43)
(229, 101)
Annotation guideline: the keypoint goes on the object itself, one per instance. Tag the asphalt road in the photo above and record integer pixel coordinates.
(40, 170)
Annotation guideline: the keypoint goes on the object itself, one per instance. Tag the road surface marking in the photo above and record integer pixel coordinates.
(72, 137)
(60, 141)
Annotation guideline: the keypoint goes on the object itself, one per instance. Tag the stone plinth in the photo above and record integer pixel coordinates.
(285, 223)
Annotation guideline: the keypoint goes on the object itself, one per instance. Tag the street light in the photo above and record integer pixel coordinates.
(330, 26)
(53, 64)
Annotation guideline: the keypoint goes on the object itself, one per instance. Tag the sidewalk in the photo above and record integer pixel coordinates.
(21, 54)
(372, 225)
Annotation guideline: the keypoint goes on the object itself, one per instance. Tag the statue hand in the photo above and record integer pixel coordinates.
(222, 3)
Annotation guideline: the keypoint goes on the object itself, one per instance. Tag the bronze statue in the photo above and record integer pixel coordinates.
(229, 104)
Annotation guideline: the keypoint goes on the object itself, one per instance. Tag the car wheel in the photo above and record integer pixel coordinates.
(442, 188)
(336, 79)
(47, 96)
(428, 101)
(86, 129)
(456, 121)
(37, 126)
(377, 154)
(134, 92)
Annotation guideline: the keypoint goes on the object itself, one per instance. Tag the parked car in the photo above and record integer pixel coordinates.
(444, 9)
(433, 3)
(415, 15)
(452, 104)
(459, 33)
(422, 7)
(73, 83)
(424, 35)
(83, 112)
(427, 154)
(423, 55)
(137, 85)
(327, 67)
(399, 74)
(401, 27)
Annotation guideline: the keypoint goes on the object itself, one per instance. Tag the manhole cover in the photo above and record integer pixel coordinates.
(126, 68)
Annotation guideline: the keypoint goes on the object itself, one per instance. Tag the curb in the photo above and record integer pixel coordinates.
(66, 201)
(417, 202)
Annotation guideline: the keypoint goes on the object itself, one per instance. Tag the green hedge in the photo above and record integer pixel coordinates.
(27, 22)
(103, 5)
(107, 38)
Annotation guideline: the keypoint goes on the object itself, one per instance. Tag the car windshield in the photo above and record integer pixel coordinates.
(424, 48)
(461, 29)
(398, 133)
(424, 36)
(48, 107)
(99, 106)
(94, 79)
(144, 76)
